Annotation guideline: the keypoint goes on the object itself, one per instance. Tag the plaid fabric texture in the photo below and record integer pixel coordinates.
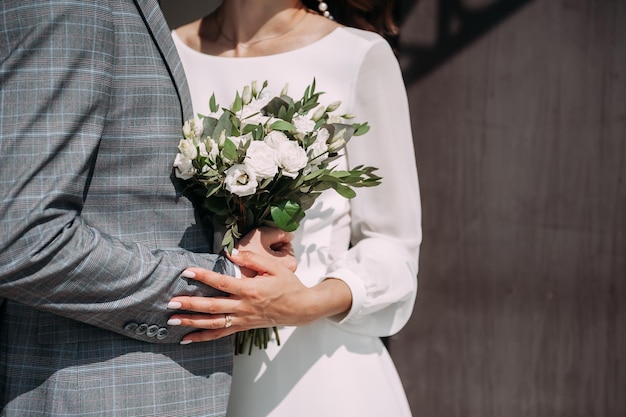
(93, 233)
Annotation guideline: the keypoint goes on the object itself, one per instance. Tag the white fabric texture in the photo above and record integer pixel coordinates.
(370, 242)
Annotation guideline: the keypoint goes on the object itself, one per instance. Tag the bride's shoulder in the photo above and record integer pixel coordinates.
(362, 35)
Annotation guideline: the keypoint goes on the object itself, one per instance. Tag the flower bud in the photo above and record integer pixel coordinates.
(187, 129)
(333, 106)
(319, 112)
(337, 142)
(255, 89)
(246, 96)
(285, 90)
(221, 139)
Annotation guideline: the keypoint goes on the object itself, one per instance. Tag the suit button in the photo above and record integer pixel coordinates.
(141, 329)
(130, 327)
(162, 333)
(152, 330)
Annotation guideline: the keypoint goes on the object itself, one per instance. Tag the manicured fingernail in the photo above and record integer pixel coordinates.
(174, 305)
(185, 342)
(235, 251)
(174, 322)
(188, 274)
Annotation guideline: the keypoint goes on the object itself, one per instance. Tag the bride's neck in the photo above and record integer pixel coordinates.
(247, 21)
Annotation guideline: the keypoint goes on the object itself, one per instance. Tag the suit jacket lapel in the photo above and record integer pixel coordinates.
(156, 24)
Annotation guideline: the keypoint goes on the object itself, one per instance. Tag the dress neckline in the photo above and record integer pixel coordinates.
(323, 39)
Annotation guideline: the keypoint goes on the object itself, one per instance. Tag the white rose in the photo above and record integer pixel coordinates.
(184, 167)
(275, 138)
(303, 124)
(240, 180)
(291, 158)
(261, 159)
(187, 148)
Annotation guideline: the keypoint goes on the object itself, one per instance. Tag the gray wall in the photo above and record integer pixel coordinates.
(520, 131)
(519, 116)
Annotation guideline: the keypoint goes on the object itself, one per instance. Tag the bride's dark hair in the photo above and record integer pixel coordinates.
(373, 15)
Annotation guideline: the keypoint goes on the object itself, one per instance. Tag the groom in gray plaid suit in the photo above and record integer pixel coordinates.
(93, 234)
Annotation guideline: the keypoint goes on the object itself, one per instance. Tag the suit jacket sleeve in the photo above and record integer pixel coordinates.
(59, 74)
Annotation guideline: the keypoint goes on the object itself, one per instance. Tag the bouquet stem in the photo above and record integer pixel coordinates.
(246, 340)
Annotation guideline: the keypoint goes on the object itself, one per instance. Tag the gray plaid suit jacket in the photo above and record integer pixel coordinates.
(93, 233)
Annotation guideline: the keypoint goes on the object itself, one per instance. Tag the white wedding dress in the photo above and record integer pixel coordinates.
(329, 368)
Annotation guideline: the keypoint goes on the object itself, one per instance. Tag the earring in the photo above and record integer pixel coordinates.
(323, 8)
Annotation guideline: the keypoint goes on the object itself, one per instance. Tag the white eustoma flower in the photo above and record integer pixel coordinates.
(216, 114)
(275, 138)
(257, 104)
(187, 148)
(202, 150)
(193, 128)
(291, 158)
(210, 148)
(239, 140)
(184, 167)
(240, 180)
(334, 119)
(261, 159)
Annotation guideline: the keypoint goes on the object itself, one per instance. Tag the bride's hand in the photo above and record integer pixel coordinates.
(271, 242)
(274, 297)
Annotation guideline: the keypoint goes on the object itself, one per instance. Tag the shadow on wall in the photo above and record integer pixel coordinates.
(179, 12)
(451, 25)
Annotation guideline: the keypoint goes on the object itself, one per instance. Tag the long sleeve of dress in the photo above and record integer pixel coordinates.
(381, 266)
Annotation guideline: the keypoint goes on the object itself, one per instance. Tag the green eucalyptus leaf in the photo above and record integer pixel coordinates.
(361, 129)
(223, 125)
(287, 215)
(213, 106)
(275, 105)
(229, 151)
(344, 191)
(237, 104)
(283, 126)
(208, 124)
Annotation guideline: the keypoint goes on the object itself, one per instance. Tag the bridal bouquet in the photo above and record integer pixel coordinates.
(263, 161)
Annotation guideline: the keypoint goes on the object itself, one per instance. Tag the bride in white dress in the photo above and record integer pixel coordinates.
(364, 251)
